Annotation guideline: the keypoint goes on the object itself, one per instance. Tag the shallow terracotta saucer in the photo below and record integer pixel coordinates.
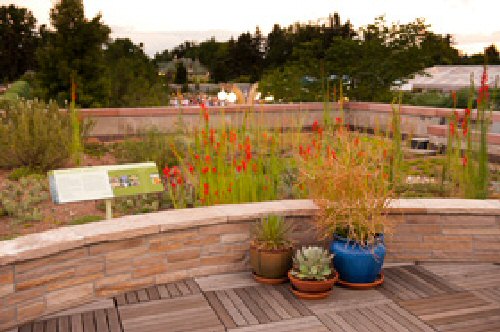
(269, 281)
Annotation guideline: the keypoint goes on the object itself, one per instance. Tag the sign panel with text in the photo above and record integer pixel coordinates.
(103, 182)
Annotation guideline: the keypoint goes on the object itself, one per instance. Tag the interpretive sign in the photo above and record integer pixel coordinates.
(103, 182)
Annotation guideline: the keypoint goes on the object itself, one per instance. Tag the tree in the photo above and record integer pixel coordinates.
(133, 78)
(18, 41)
(74, 50)
(180, 73)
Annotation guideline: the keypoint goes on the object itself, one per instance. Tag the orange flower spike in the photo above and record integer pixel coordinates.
(464, 161)
(207, 159)
(452, 128)
(356, 141)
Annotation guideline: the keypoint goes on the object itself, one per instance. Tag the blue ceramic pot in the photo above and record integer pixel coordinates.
(356, 263)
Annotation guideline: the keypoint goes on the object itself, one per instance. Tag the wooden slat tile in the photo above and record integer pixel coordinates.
(51, 325)
(26, 328)
(301, 324)
(76, 323)
(88, 322)
(101, 320)
(153, 293)
(268, 310)
(230, 308)
(173, 290)
(186, 313)
(193, 286)
(131, 297)
(273, 303)
(242, 308)
(120, 299)
(219, 309)
(113, 321)
(164, 294)
(39, 326)
(301, 308)
(252, 306)
(142, 296)
(183, 288)
(64, 324)
(282, 301)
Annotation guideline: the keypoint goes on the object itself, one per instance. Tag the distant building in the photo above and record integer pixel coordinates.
(197, 73)
(450, 78)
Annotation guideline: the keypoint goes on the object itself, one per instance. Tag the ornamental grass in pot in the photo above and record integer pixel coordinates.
(351, 186)
(312, 275)
(271, 250)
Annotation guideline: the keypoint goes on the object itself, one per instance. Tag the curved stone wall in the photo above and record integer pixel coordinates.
(43, 273)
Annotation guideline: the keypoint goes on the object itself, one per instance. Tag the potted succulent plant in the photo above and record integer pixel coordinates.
(271, 250)
(312, 275)
(351, 186)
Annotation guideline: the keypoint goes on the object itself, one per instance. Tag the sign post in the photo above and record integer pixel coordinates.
(104, 182)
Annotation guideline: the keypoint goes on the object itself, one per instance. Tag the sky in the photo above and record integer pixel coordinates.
(163, 24)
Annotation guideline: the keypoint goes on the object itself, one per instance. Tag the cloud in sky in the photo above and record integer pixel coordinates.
(163, 24)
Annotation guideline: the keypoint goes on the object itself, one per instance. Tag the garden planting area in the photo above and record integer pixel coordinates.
(180, 257)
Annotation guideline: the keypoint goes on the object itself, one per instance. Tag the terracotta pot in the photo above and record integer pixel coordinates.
(271, 263)
(313, 286)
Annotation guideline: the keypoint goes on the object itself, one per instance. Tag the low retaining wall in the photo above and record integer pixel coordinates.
(44, 273)
(119, 122)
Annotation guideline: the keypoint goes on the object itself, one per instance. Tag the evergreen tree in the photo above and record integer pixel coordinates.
(74, 49)
(18, 42)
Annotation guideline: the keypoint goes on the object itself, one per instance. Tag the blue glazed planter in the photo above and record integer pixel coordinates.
(355, 263)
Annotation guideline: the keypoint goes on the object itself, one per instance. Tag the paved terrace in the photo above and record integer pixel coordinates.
(425, 297)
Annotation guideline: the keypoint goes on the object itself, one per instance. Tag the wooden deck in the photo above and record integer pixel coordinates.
(434, 297)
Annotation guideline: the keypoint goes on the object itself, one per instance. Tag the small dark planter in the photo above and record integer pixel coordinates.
(270, 264)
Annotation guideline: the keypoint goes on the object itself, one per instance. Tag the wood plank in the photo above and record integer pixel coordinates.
(351, 317)
(27, 328)
(120, 299)
(273, 303)
(39, 326)
(173, 290)
(164, 294)
(142, 296)
(51, 325)
(266, 308)
(219, 309)
(405, 318)
(406, 289)
(335, 323)
(243, 309)
(432, 278)
(225, 281)
(153, 293)
(282, 301)
(252, 306)
(113, 321)
(183, 288)
(64, 324)
(310, 323)
(101, 320)
(131, 297)
(390, 323)
(88, 322)
(302, 309)
(193, 286)
(230, 308)
(76, 323)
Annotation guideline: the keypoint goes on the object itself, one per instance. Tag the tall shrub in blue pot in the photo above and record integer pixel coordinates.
(352, 189)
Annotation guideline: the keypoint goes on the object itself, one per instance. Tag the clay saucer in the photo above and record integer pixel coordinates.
(379, 281)
(310, 296)
(269, 281)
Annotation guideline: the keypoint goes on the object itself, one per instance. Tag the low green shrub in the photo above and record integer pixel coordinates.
(153, 146)
(21, 172)
(34, 135)
(95, 149)
(20, 199)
